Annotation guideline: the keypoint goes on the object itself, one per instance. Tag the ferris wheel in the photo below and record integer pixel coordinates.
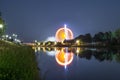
(63, 33)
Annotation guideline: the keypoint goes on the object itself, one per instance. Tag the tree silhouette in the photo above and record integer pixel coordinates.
(117, 34)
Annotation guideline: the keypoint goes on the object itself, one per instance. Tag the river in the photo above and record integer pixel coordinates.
(76, 63)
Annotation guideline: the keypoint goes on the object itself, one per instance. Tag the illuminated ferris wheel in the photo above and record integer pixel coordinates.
(63, 33)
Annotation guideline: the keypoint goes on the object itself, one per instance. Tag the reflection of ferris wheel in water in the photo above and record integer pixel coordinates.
(63, 33)
(64, 58)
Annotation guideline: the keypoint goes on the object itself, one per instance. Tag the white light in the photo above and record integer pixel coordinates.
(52, 38)
(10, 37)
(6, 36)
(1, 26)
(51, 53)
(35, 41)
(66, 32)
(15, 35)
(65, 25)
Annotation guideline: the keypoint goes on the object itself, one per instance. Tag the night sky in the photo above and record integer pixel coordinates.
(39, 19)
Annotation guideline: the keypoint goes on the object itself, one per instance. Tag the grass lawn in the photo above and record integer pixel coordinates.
(17, 62)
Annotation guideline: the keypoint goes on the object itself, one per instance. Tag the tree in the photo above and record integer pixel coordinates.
(117, 34)
(99, 37)
(108, 36)
(85, 38)
(88, 38)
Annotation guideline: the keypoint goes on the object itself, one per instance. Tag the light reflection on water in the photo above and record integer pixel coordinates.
(76, 63)
(63, 57)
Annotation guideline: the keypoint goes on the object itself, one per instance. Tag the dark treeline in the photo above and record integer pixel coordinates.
(102, 38)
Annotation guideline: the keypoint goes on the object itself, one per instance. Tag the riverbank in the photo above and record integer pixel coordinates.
(17, 62)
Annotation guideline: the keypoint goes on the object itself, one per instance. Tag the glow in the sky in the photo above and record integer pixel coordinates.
(51, 38)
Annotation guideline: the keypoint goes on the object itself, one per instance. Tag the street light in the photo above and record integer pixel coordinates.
(1, 26)
(77, 42)
(6, 36)
(14, 35)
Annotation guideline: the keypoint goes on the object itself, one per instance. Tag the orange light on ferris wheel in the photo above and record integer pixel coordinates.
(63, 58)
(61, 34)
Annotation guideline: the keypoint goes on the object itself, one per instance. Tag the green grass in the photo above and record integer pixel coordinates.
(17, 62)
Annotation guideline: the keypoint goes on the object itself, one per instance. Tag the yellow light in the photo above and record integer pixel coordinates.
(33, 47)
(38, 43)
(77, 41)
(55, 43)
(44, 50)
(38, 48)
(78, 50)
(43, 43)
(55, 49)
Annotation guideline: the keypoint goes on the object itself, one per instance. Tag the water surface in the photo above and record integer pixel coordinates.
(78, 64)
